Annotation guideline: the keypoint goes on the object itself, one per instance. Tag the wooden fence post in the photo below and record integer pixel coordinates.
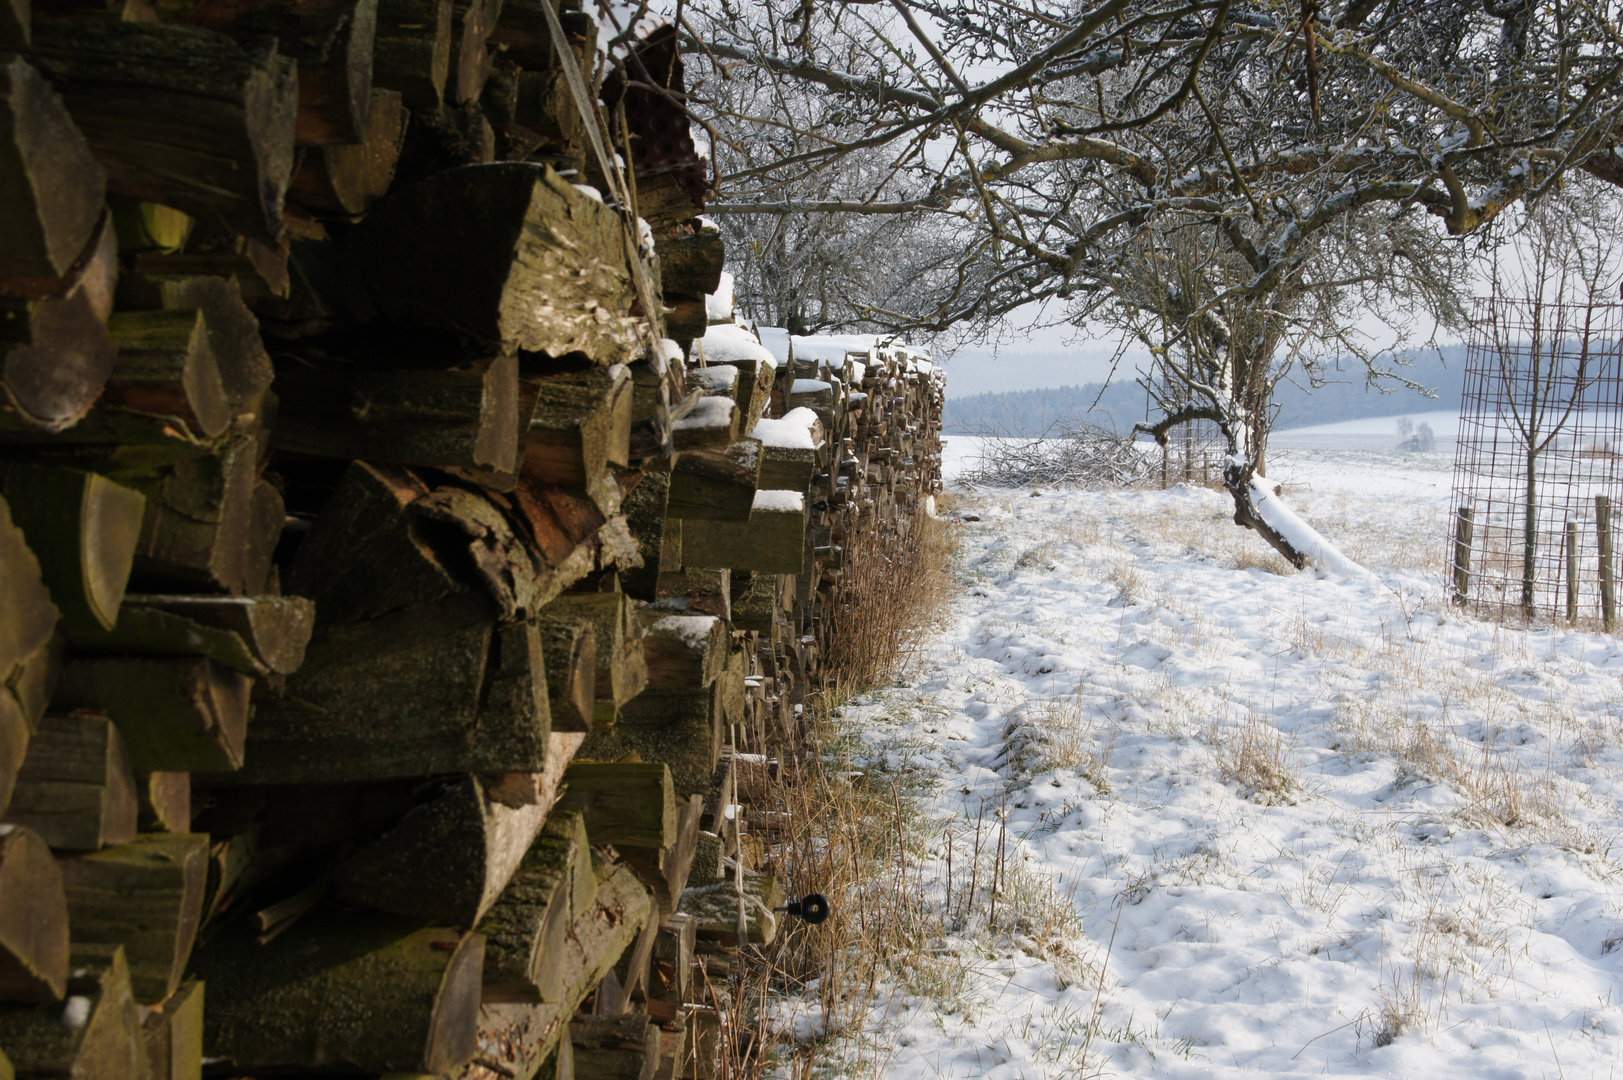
(1572, 571)
(1464, 534)
(1608, 583)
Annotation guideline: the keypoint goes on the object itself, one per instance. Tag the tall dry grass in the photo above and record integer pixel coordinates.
(852, 834)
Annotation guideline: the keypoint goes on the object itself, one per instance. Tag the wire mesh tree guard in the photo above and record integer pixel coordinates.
(1538, 467)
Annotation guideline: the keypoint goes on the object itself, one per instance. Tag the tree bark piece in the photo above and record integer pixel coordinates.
(175, 715)
(76, 788)
(106, 1045)
(165, 800)
(86, 528)
(55, 357)
(525, 929)
(345, 180)
(517, 258)
(343, 990)
(644, 508)
(684, 652)
(570, 648)
(147, 896)
(174, 1036)
(715, 485)
(51, 186)
(614, 1047)
(233, 331)
(180, 116)
(413, 50)
(623, 802)
(474, 841)
(332, 41)
(465, 417)
(33, 919)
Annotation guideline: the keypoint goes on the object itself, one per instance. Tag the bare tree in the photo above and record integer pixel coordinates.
(1551, 283)
(1224, 179)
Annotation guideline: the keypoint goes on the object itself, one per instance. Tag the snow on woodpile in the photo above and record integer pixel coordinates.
(779, 501)
(810, 386)
(791, 432)
(715, 379)
(718, 306)
(693, 630)
(729, 343)
(709, 412)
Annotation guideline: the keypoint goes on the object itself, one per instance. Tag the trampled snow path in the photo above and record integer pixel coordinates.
(1255, 822)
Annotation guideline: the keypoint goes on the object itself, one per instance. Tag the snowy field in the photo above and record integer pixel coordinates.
(1251, 821)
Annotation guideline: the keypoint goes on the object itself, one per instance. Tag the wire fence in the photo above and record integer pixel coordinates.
(1538, 467)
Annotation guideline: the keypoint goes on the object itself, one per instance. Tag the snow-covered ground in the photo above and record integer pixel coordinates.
(1253, 821)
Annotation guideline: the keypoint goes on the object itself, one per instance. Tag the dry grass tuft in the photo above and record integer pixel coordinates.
(1259, 762)
(897, 585)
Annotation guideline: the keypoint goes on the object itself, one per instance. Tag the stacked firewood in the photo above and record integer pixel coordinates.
(400, 541)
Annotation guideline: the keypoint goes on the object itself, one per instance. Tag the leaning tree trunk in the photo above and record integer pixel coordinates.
(1240, 474)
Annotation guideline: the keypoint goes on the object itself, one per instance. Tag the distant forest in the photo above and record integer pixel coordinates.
(1032, 412)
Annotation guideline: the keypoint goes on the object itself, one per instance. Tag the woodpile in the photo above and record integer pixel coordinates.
(402, 547)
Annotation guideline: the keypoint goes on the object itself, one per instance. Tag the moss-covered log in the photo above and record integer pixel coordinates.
(343, 991)
(179, 115)
(463, 417)
(84, 527)
(76, 787)
(510, 254)
(175, 715)
(147, 896)
(104, 1041)
(525, 930)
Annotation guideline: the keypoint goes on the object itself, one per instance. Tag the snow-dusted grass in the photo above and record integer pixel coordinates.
(1208, 817)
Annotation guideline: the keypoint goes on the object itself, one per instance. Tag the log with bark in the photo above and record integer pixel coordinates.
(173, 1036)
(145, 895)
(55, 357)
(343, 990)
(772, 541)
(179, 115)
(462, 417)
(474, 838)
(344, 180)
(510, 254)
(165, 801)
(413, 50)
(104, 1041)
(525, 929)
(437, 688)
(174, 715)
(622, 670)
(716, 485)
(33, 919)
(51, 187)
(579, 426)
(233, 331)
(332, 41)
(614, 1047)
(570, 649)
(77, 787)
